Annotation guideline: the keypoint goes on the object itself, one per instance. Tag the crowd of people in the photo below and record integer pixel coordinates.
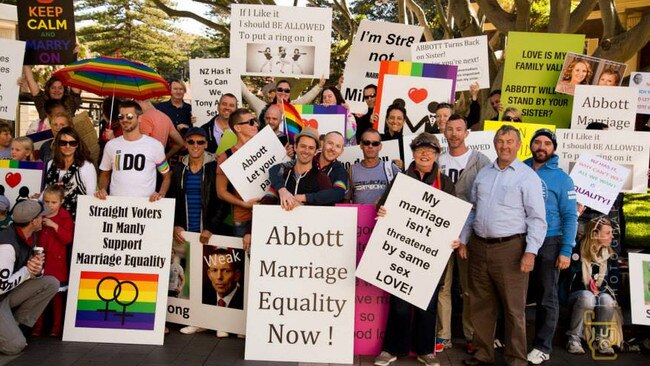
(524, 223)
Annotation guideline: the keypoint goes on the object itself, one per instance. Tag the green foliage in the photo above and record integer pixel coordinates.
(138, 29)
(637, 219)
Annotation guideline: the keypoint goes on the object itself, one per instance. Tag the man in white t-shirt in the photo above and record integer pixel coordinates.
(130, 161)
(461, 164)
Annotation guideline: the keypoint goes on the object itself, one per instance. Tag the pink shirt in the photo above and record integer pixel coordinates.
(156, 124)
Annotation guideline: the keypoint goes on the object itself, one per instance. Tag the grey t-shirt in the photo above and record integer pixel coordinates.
(369, 184)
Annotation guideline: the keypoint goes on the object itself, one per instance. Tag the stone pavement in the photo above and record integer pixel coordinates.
(206, 349)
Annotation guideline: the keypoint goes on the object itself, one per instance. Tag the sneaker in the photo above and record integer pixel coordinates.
(190, 329)
(384, 359)
(222, 334)
(428, 360)
(470, 348)
(442, 344)
(573, 346)
(536, 356)
(605, 348)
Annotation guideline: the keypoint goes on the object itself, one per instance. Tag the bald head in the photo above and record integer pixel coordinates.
(273, 117)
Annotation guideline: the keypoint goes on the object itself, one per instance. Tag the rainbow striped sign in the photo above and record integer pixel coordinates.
(324, 118)
(20, 179)
(117, 300)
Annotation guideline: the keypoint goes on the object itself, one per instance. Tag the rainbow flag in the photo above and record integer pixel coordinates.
(293, 123)
(117, 300)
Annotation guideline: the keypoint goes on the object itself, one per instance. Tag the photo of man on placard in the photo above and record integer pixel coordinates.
(223, 277)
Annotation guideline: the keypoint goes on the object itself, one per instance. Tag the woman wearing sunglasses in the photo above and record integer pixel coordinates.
(511, 114)
(71, 168)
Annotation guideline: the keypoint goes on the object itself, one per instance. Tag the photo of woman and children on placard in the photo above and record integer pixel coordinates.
(279, 59)
(586, 70)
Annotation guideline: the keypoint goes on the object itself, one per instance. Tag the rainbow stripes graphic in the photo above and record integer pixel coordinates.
(292, 121)
(117, 300)
(15, 164)
(321, 109)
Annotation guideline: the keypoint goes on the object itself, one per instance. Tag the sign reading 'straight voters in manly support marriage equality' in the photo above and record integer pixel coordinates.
(409, 247)
(119, 270)
(301, 289)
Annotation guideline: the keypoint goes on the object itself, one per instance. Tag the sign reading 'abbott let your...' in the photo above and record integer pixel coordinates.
(211, 78)
(409, 247)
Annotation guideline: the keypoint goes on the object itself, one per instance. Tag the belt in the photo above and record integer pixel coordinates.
(499, 240)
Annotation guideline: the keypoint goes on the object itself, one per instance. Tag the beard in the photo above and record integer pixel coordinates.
(541, 156)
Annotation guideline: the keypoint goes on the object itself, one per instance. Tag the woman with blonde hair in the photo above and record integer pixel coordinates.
(578, 72)
(589, 291)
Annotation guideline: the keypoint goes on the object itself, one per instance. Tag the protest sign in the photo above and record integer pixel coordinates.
(374, 42)
(641, 80)
(530, 74)
(323, 118)
(640, 288)
(197, 301)
(248, 168)
(597, 181)
(281, 41)
(526, 130)
(587, 70)
(119, 271)
(627, 148)
(409, 247)
(371, 310)
(612, 105)
(48, 28)
(301, 292)
(19, 180)
(482, 141)
(353, 154)
(11, 68)
(470, 54)
(417, 86)
(210, 78)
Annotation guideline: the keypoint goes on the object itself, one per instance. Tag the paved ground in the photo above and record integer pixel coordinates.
(206, 349)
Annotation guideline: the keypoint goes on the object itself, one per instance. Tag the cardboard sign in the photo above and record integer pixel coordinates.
(48, 28)
(597, 182)
(301, 293)
(409, 247)
(196, 301)
(119, 271)
(627, 148)
(530, 74)
(640, 288)
(210, 78)
(641, 80)
(470, 54)
(612, 105)
(11, 63)
(420, 87)
(324, 119)
(353, 154)
(281, 41)
(526, 130)
(248, 168)
(374, 42)
(19, 180)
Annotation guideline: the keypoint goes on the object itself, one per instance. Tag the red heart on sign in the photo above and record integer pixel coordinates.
(417, 95)
(13, 179)
(311, 123)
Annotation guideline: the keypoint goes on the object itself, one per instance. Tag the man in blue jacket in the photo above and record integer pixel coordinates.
(555, 253)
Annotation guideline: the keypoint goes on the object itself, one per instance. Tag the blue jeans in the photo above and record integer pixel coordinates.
(580, 302)
(241, 228)
(545, 277)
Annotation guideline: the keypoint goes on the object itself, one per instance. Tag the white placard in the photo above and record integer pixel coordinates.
(374, 42)
(210, 78)
(281, 41)
(19, 180)
(597, 181)
(470, 54)
(11, 68)
(627, 148)
(324, 119)
(641, 80)
(483, 141)
(301, 293)
(409, 247)
(353, 154)
(119, 271)
(248, 168)
(614, 106)
(640, 288)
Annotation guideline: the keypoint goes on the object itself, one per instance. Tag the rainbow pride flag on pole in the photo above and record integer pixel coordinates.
(117, 300)
(293, 123)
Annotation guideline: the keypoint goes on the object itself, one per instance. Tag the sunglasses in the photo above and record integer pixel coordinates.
(283, 90)
(196, 142)
(128, 116)
(366, 97)
(250, 122)
(512, 119)
(368, 143)
(72, 143)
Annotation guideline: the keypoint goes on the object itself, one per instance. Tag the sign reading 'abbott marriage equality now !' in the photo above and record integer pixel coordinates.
(409, 247)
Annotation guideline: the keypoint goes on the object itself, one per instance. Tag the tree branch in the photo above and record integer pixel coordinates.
(580, 14)
(611, 22)
(522, 22)
(502, 20)
(443, 19)
(559, 16)
(188, 14)
(421, 17)
(623, 46)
